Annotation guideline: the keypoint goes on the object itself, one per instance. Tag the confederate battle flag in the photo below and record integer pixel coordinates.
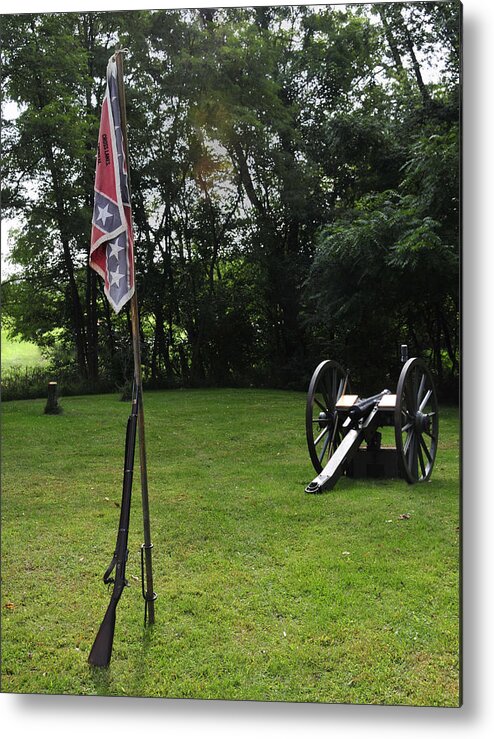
(112, 253)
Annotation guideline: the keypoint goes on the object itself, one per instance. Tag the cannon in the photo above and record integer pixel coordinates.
(339, 423)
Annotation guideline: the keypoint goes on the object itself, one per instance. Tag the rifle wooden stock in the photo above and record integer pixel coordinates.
(100, 654)
(101, 651)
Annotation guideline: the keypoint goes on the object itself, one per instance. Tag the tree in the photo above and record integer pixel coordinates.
(386, 270)
(282, 160)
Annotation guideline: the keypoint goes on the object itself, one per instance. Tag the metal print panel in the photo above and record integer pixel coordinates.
(293, 174)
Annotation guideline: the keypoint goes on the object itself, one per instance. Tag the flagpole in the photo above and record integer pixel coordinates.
(149, 594)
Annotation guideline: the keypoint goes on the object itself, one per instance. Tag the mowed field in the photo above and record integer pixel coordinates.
(18, 353)
(264, 592)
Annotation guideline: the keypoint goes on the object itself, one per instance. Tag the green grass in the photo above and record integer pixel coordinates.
(264, 592)
(19, 353)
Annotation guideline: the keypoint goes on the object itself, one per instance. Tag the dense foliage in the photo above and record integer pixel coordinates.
(295, 181)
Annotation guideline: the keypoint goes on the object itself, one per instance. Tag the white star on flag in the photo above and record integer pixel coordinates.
(115, 249)
(103, 214)
(115, 278)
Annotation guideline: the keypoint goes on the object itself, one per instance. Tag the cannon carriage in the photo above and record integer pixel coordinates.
(339, 423)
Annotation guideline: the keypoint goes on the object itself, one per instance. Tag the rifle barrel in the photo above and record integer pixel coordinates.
(101, 651)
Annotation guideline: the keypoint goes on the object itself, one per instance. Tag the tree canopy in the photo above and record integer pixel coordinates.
(295, 189)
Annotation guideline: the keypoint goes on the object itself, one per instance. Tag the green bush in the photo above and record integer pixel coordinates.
(27, 383)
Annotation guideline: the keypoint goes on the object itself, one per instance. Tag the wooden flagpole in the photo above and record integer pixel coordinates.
(149, 594)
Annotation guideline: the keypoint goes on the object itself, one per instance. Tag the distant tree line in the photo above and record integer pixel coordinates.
(295, 189)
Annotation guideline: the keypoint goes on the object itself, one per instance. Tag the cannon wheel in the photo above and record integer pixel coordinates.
(329, 382)
(416, 421)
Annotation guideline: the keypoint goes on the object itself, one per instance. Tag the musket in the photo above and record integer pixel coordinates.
(100, 654)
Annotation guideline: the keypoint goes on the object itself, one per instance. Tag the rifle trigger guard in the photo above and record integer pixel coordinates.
(106, 577)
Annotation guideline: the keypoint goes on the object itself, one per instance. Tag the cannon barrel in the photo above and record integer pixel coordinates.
(363, 407)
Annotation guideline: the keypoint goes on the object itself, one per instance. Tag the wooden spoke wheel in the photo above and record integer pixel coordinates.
(416, 421)
(322, 425)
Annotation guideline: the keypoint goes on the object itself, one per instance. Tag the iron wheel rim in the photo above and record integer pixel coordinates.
(416, 421)
(328, 383)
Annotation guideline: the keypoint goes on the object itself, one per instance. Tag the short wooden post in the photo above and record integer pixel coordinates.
(52, 406)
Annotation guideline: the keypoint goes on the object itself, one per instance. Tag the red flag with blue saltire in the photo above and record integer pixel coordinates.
(111, 252)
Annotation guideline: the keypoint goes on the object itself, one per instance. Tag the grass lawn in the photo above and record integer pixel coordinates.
(19, 353)
(264, 592)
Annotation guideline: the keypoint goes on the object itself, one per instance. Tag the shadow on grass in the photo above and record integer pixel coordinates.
(143, 661)
(101, 679)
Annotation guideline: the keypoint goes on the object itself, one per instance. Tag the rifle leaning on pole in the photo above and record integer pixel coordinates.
(146, 560)
(111, 250)
(100, 654)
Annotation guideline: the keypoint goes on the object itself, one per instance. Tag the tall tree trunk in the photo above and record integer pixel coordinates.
(92, 327)
(393, 46)
(87, 33)
(77, 312)
(426, 98)
(110, 337)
